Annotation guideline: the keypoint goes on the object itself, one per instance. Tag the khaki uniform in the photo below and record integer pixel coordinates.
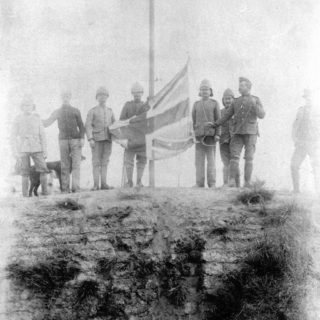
(28, 141)
(129, 110)
(245, 111)
(305, 134)
(225, 152)
(205, 111)
(97, 125)
(71, 131)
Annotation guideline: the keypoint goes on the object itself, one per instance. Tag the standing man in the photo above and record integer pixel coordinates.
(226, 134)
(246, 110)
(28, 141)
(204, 113)
(97, 125)
(306, 137)
(129, 110)
(71, 141)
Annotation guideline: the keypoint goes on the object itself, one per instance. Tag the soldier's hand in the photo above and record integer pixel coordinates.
(92, 143)
(214, 125)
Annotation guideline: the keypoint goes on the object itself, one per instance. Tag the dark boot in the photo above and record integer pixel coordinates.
(25, 186)
(295, 179)
(103, 172)
(234, 173)
(225, 175)
(248, 168)
(43, 182)
(96, 176)
(139, 176)
(129, 171)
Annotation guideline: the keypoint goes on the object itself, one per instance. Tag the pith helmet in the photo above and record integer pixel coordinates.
(205, 83)
(27, 100)
(243, 79)
(306, 93)
(227, 93)
(136, 88)
(102, 91)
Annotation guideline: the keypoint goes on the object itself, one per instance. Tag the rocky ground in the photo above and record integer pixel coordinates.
(158, 254)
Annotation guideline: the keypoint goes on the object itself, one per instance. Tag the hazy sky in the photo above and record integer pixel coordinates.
(48, 45)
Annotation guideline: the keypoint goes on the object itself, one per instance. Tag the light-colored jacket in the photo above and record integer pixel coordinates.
(97, 123)
(306, 127)
(28, 134)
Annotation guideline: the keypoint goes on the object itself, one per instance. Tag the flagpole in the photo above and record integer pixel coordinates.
(151, 79)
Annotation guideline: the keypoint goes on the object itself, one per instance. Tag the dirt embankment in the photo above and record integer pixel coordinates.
(161, 254)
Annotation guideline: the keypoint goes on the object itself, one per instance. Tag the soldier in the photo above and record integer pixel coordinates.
(97, 125)
(226, 133)
(29, 141)
(246, 110)
(71, 141)
(204, 113)
(129, 110)
(306, 137)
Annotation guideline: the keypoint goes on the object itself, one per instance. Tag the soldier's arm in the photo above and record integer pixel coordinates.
(217, 117)
(296, 125)
(80, 124)
(123, 115)
(113, 119)
(194, 115)
(48, 122)
(259, 109)
(88, 125)
(43, 139)
(227, 115)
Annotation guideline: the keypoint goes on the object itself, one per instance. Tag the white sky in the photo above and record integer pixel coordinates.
(81, 44)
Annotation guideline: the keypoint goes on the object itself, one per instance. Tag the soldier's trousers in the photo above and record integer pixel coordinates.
(301, 151)
(100, 160)
(204, 153)
(225, 158)
(238, 142)
(70, 155)
(141, 161)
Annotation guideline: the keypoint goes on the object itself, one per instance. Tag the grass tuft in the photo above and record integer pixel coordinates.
(132, 194)
(257, 194)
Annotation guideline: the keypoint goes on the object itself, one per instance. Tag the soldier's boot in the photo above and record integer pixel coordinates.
(25, 186)
(234, 172)
(104, 185)
(248, 168)
(96, 176)
(139, 177)
(225, 175)
(44, 185)
(129, 170)
(295, 179)
(237, 180)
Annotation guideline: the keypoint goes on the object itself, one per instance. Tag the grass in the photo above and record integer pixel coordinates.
(257, 194)
(271, 281)
(48, 276)
(132, 194)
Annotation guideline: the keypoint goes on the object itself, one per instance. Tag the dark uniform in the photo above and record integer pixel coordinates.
(225, 139)
(246, 110)
(205, 111)
(306, 137)
(129, 110)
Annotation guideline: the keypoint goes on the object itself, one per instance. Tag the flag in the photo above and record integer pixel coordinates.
(165, 130)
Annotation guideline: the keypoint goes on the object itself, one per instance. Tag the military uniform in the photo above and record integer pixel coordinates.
(306, 137)
(97, 123)
(71, 132)
(129, 110)
(245, 111)
(205, 111)
(29, 141)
